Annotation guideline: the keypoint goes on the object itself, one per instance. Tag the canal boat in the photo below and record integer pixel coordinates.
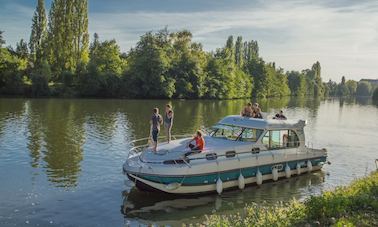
(239, 151)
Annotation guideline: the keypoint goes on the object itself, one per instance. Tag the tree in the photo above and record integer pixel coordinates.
(37, 42)
(352, 87)
(40, 78)
(148, 68)
(296, 83)
(239, 52)
(12, 69)
(342, 89)
(22, 49)
(2, 41)
(375, 95)
(363, 88)
(68, 35)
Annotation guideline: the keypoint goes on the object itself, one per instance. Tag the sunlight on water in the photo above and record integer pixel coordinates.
(62, 159)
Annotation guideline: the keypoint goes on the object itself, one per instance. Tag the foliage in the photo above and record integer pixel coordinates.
(37, 42)
(375, 95)
(162, 65)
(363, 88)
(40, 79)
(12, 70)
(296, 83)
(356, 204)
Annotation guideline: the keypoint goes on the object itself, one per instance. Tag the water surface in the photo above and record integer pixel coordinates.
(61, 159)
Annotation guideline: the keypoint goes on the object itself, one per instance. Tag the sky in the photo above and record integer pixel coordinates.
(341, 34)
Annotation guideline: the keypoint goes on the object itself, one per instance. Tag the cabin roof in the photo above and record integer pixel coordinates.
(247, 122)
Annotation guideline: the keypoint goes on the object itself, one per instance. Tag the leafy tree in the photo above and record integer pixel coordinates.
(12, 70)
(342, 88)
(37, 42)
(22, 49)
(40, 78)
(363, 88)
(239, 52)
(147, 74)
(68, 35)
(2, 41)
(105, 58)
(352, 87)
(296, 83)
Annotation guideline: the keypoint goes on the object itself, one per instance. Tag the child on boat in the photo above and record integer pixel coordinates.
(199, 143)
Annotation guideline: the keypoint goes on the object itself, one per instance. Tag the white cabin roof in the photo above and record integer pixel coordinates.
(247, 122)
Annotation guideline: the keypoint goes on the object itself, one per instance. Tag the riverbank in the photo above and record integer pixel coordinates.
(353, 205)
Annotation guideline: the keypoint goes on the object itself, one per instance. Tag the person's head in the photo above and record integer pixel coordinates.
(249, 104)
(168, 107)
(155, 110)
(199, 133)
(255, 104)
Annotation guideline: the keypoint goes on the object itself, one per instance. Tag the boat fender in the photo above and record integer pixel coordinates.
(172, 186)
(219, 186)
(298, 169)
(241, 181)
(259, 179)
(287, 171)
(309, 166)
(275, 174)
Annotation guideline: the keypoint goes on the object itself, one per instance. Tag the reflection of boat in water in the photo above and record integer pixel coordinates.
(238, 151)
(174, 209)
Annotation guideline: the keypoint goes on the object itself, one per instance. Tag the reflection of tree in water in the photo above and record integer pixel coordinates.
(13, 112)
(35, 134)
(62, 125)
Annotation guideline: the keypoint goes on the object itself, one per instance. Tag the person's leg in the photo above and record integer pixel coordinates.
(169, 133)
(155, 134)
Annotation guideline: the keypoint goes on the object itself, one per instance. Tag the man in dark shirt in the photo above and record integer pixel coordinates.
(156, 121)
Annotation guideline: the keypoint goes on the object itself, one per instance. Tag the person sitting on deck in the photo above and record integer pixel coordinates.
(280, 116)
(199, 146)
(258, 113)
(247, 111)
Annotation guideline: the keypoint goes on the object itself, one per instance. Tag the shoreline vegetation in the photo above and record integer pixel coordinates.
(60, 61)
(352, 205)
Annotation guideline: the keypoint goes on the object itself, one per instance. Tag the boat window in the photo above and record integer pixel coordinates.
(250, 134)
(211, 156)
(277, 139)
(226, 132)
(230, 154)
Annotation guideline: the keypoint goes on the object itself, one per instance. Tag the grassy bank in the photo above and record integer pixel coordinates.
(353, 205)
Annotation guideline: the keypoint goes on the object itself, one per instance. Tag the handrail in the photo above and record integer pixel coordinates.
(134, 150)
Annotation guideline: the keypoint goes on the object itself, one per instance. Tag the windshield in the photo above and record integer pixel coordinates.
(235, 133)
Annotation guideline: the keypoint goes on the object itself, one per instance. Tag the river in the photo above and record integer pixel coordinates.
(61, 159)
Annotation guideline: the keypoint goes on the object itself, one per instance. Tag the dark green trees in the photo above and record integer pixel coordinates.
(363, 88)
(37, 42)
(148, 67)
(68, 35)
(375, 95)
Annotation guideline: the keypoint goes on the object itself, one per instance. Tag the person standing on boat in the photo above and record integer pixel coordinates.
(200, 142)
(247, 111)
(168, 121)
(156, 121)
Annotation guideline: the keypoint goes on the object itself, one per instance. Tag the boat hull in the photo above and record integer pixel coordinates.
(206, 183)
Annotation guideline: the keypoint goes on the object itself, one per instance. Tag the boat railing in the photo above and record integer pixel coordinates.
(138, 145)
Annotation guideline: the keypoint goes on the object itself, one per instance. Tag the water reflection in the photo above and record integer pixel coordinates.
(155, 208)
